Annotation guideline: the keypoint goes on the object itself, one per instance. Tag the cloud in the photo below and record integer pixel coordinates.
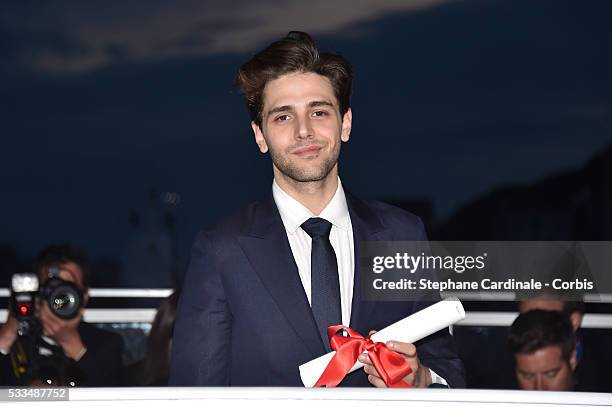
(71, 36)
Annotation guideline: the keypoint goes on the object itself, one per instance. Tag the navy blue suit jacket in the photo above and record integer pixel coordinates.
(244, 319)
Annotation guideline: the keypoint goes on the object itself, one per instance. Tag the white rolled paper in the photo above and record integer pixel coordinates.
(410, 329)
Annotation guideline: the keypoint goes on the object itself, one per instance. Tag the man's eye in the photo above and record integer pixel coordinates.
(282, 118)
(527, 376)
(552, 373)
(320, 113)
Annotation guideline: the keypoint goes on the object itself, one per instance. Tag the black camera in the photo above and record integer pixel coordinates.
(34, 358)
(64, 297)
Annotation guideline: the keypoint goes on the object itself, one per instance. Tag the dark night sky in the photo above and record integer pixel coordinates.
(451, 98)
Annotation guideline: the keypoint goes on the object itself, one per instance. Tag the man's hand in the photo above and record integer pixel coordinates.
(419, 377)
(63, 331)
(8, 333)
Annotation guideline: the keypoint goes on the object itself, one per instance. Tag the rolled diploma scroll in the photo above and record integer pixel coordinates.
(410, 329)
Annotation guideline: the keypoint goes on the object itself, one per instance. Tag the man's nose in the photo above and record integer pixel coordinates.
(540, 384)
(304, 128)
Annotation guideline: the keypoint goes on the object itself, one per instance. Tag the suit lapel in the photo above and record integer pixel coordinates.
(266, 246)
(366, 227)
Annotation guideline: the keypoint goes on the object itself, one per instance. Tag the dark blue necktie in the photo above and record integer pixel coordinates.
(325, 285)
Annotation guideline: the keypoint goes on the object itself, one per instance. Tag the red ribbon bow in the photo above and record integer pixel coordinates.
(390, 365)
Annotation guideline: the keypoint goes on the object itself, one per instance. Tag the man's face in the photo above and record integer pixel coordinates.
(301, 127)
(545, 369)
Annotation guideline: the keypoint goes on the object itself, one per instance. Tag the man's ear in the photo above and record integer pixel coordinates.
(576, 320)
(347, 123)
(573, 360)
(259, 138)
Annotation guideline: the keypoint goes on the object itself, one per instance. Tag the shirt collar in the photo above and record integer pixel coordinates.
(293, 213)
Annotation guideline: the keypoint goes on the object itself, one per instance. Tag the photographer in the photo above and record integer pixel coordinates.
(543, 344)
(86, 355)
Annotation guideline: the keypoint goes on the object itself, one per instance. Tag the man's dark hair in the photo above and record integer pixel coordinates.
(569, 306)
(156, 364)
(56, 255)
(538, 329)
(296, 52)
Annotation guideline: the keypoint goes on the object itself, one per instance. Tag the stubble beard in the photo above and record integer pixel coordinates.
(299, 173)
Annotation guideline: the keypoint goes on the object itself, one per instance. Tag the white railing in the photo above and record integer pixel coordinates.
(117, 292)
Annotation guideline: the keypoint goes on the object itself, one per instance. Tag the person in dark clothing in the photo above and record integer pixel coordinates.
(264, 285)
(544, 348)
(69, 351)
(591, 360)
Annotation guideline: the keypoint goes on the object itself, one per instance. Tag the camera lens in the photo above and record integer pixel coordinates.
(65, 301)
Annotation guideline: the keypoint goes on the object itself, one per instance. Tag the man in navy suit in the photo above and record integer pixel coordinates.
(258, 294)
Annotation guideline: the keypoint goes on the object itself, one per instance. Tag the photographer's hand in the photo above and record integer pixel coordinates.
(63, 331)
(8, 333)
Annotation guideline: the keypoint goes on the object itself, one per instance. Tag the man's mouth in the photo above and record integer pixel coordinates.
(307, 151)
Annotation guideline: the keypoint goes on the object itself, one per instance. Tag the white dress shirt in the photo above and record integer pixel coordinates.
(293, 214)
